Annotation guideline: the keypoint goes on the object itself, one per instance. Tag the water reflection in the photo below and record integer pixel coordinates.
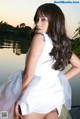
(19, 46)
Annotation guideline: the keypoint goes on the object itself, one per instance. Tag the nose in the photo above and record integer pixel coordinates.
(38, 23)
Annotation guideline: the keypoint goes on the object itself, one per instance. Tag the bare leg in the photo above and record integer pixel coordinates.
(34, 116)
(52, 115)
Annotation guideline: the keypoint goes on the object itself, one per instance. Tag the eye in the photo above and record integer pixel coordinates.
(43, 19)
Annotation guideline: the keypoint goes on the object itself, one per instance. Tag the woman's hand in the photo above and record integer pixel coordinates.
(17, 111)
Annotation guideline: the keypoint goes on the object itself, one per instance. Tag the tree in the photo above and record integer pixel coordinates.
(77, 32)
(76, 41)
(1, 22)
(22, 25)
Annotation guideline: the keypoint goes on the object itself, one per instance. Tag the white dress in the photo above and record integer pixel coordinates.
(47, 90)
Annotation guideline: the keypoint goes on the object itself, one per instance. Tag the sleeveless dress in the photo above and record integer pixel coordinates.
(48, 89)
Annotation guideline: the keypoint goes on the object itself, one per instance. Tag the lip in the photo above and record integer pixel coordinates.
(38, 29)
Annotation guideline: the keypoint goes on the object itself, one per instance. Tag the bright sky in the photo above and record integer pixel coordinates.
(15, 12)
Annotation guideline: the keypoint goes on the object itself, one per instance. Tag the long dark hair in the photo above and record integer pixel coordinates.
(61, 51)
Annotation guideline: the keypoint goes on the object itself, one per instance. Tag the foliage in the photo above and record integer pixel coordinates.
(76, 41)
(76, 46)
(21, 31)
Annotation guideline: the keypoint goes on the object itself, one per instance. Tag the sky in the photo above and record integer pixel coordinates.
(15, 12)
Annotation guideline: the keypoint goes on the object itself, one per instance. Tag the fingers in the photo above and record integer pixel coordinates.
(18, 115)
(16, 109)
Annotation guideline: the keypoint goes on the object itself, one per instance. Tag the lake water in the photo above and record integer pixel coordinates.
(12, 60)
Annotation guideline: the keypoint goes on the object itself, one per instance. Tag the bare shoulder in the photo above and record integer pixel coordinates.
(39, 36)
(37, 44)
(37, 41)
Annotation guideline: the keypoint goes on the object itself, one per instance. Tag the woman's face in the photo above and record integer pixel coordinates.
(42, 24)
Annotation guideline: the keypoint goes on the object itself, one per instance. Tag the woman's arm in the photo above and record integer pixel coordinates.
(32, 58)
(75, 62)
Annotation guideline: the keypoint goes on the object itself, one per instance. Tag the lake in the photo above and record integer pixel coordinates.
(12, 59)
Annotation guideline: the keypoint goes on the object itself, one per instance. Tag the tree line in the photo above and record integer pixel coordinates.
(22, 31)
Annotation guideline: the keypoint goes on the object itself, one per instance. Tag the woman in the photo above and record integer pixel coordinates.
(50, 48)
(42, 94)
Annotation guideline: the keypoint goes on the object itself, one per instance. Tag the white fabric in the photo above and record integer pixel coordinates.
(67, 90)
(47, 90)
(9, 93)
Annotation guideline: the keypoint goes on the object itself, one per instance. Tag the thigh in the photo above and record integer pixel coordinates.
(52, 115)
(34, 116)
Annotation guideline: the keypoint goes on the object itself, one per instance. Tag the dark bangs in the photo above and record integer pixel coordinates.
(41, 11)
